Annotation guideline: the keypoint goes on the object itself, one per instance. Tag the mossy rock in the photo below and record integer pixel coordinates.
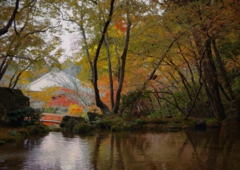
(2, 142)
(200, 124)
(102, 125)
(212, 123)
(116, 129)
(16, 135)
(93, 116)
(130, 125)
(24, 133)
(53, 127)
(154, 127)
(43, 129)
(81, 128)
(68, 122)
(10, 139)
(158, 121)
(32, 129)
(140, 122)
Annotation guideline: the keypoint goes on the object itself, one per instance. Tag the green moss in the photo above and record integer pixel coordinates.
(2, 142)
(32, 129)
(213, 123)
(130, 125)
(43, 129)
(102, 124)
(81, 128)
(116, 129)
(23, 132)
(13, 136)
(10, 139)
(157, 121)
(140, 121)
(53, 127)
(35, 129)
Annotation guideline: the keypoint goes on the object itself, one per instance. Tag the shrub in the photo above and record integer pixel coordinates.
(140, 121)
(23, 116)
(81, 128)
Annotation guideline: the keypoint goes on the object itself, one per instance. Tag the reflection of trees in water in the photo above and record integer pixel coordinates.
(199, 150)
(32, 141)
(124, 148)
(95, 155)
(214, 148)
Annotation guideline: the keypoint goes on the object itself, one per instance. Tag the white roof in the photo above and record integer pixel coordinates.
(53, 78)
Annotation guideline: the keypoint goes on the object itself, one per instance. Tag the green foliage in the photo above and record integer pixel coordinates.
(23, 117)
(155, 114)
(127, 99)
(85, 116)
(136, 105)
(116, 129)
(140, 121)
(81, 128)
(236, 85)
(127, 115)
(2, 142)
(211, 122)
(229, 48)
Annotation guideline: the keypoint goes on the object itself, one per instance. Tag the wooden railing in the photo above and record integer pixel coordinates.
(49, 118)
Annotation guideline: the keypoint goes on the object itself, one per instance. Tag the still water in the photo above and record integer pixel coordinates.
(185, 150)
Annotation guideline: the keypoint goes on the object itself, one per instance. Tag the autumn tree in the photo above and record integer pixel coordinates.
(5, 28)
(206, 23)
(24, 46)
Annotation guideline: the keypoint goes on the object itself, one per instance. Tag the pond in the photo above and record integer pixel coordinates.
(212, 149)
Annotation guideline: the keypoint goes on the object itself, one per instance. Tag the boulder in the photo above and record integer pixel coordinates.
(81, 128)
(93, 116)
(200, 125)
(10, 100)
(68, 122)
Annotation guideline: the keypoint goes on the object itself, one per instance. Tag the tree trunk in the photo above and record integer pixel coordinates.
(4, 30)
(122, 67)
(234, 99)
(203, 44)
(94, 69)
(210, 74)
(109, 72)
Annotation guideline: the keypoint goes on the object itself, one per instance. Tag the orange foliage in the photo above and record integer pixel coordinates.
(62, 99)
(121, 25)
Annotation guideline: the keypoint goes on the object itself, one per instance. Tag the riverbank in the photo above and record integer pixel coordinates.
(156, 124)
(116, 123)
(113, 123)
(14, 134)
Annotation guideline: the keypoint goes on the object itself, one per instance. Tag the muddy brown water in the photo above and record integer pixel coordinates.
(213, 149)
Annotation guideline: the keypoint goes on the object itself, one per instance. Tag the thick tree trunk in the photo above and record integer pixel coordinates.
(210, 74)
(234, 99)
(94, 67)
(203, 44)
(222, 70)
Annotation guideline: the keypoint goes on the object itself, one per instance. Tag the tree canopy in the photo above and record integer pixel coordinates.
(172, 57)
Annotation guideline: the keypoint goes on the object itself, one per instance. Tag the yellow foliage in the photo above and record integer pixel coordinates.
(75, 110)
(44, 96)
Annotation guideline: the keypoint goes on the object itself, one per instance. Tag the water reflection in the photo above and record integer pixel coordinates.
(186, 150)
